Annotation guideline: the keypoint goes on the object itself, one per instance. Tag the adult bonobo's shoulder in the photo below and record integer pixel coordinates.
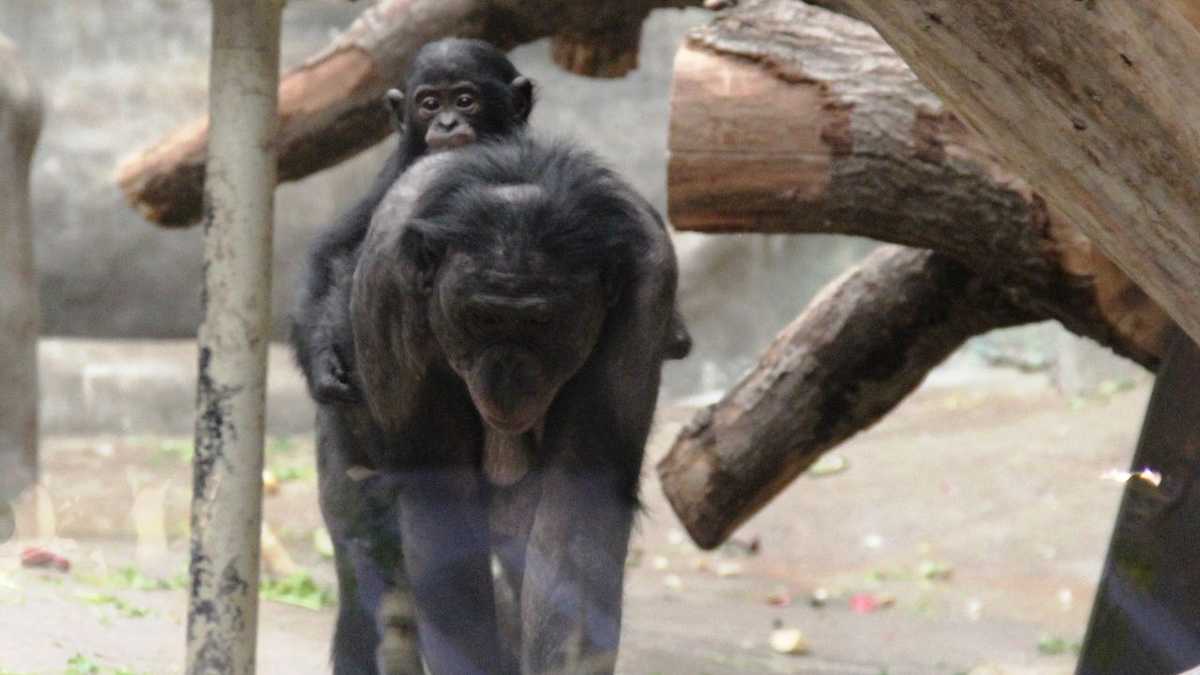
(548, 215)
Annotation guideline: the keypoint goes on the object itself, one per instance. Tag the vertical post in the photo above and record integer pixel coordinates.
(20, 125)
(1146, 616)
(231, 391)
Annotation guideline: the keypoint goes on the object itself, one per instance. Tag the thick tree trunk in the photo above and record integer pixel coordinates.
(20, 124)
(231, 391)
(330, 106)
(858, 349)
(1093, 102)
(788, 118)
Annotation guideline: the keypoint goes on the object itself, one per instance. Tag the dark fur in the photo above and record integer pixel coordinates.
(361, 511)
(537, 251)
(320, 332)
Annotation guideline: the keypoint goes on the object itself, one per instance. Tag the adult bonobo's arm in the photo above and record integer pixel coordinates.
(594, 441)
(386, 311)
(431, 438)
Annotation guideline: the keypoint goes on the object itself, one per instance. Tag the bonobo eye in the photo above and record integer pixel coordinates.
(465, 101)
(429, 103)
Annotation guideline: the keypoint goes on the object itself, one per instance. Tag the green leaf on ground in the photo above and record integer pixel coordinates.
(297, 589)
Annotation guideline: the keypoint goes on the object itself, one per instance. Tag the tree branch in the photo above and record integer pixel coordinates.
(860, 347)
(788, 118)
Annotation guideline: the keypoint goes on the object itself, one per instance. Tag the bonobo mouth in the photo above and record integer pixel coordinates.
(516, 421)
(456, 139)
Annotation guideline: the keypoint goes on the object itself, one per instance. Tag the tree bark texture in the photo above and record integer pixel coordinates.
(20, 125)
(1093, 102)
(330, 107)
(859, 348)
(789, 118)
(231, 391)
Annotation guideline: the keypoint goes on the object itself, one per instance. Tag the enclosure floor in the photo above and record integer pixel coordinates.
(998, 485)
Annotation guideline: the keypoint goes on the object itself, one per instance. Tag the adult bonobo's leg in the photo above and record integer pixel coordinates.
(359, 510)
(444, 527)
(432, 447)
(594, 442)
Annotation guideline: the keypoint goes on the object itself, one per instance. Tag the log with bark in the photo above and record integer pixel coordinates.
(788, 118)
(1093, 102)
(330, 106)
(859, 348)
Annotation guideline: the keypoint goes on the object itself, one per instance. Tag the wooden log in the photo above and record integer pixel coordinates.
(859, 348)
(1093, 102)
(20, 125)
(789, 118)
(330, 106)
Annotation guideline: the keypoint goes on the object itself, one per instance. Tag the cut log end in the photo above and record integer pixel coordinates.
(608, 55)
(860, 348)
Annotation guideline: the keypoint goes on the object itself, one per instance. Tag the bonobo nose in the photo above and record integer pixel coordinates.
(447, 122)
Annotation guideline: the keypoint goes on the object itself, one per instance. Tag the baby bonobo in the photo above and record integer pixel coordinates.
(457, 92)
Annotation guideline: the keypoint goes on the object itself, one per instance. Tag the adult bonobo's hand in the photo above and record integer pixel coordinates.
(511, 311)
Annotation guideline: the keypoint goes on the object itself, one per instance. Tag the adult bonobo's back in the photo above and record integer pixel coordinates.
(457, 91)
(523, 290)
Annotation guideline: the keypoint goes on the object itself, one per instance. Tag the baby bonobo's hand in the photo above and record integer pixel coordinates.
(332, 381)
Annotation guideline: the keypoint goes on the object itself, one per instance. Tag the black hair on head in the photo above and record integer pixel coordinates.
(558, 196)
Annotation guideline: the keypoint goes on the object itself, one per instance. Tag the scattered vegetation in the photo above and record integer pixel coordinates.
(1049, 645)
(297, 589)
(82, 665)
(118, 604)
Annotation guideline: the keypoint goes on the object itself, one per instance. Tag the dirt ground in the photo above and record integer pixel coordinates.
(975, 515)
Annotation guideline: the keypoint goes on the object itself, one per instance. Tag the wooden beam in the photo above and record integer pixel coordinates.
(787, 118)
(859, 348)
(1093, 102)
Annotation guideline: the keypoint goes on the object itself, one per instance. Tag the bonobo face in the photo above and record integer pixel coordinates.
(458, 92)
(515, 328)
(449, 112)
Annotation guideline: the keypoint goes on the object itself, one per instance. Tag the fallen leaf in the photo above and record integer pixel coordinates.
(780, 597)
(828, 465)
(270, 482)
(788, 641)
(820, 596)
(866, 603)
(38, 557)
(728, 568)
(322, 543)
(934, 570)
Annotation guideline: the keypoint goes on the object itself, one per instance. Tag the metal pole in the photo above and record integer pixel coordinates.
(230, 400)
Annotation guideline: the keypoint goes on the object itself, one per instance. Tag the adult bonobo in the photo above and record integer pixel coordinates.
(457, 91)
(512, 309)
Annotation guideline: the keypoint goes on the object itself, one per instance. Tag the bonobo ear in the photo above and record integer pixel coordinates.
(522, 93)
(420, 256)
(394, 99)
